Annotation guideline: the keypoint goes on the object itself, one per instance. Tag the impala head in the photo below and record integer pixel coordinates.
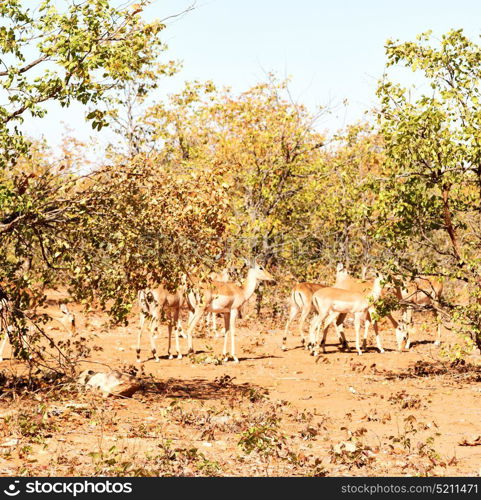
(261, 274)
(69, 318)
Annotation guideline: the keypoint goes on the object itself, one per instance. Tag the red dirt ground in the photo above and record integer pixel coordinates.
(341, 414)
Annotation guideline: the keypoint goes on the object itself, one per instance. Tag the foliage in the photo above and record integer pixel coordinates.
(78, 53)
(100, 232)
(428, 204)
(297, 199)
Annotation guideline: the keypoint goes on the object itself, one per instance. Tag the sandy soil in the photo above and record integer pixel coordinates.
(274, 413)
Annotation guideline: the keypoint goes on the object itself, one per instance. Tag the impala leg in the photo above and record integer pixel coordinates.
(339, 325)
(327, 323)
(142, 320)
(340, 330)
(315, 322)
(400, 331)
(180, 330)
(401, 336)
(175, 325)
(154, 328)
(195, 319)
(304, 313)
(367, 324)
(233, 317)
(226, 334)
(169, 329)
(2, 344)
(375, 326)
(439, 332)
(408, 322)
(176, 333)
(292, 314)
(357, 328)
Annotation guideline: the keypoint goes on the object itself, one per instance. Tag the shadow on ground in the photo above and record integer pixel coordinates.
(220, 388)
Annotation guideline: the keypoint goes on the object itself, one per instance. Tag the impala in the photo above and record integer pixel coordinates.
(226, 299)
(155, 300)
(330, 302)
(152, 302)
(345, 281)
(300, 299)
(420, 292)
(211, 318)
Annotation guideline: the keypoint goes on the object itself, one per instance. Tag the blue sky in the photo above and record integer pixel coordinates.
(333, 50)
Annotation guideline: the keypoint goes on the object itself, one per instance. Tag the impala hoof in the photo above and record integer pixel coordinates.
(179, 356)
(234, 359)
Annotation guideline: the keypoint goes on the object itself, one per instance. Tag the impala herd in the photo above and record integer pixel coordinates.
(348, 296)
(218, 295)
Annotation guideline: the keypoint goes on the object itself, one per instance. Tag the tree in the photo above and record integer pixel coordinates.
(78, 54)
(267, 146)
(105, 232)
(342, 199)
(429, 202)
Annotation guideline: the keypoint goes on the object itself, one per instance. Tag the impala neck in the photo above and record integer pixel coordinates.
(377, 288)
(250, 284)
(341, 276)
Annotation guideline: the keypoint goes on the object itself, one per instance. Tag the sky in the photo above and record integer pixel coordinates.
(332, 50)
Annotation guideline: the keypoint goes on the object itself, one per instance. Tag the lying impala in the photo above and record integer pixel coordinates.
(226, 299)
(331, 302)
